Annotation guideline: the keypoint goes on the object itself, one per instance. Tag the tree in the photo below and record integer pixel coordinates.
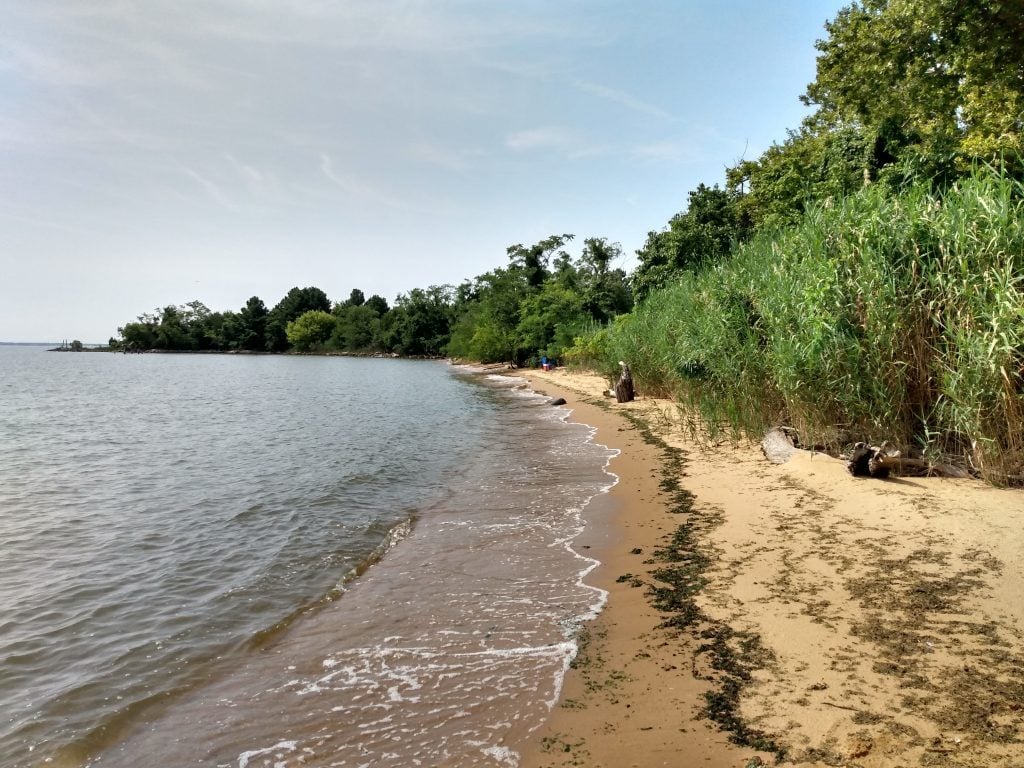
(253, 324)
(358, 327)
(934, 84)
(542, 314)
(701, 235)
(605, 291)
(488, 316)
(310, 330)
(378, 304)
(533, 261)
(420, 323)
(296, 302)
(140, 334)
(813, 164)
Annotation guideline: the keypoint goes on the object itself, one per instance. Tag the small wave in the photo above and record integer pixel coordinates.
(393, 536)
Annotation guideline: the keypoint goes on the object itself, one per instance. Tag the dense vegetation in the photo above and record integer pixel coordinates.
(859, 280)
(534, 306)
(871, 288)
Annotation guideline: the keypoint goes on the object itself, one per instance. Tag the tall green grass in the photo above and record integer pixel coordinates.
(877, 317)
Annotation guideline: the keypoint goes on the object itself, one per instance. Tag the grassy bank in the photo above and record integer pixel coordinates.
(881, 316)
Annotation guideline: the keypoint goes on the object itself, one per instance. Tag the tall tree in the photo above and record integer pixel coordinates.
(604, 290)
(420, 323)
(698, 236)
(253, 324)
(296, 302)
(937, 84)
(533, 260)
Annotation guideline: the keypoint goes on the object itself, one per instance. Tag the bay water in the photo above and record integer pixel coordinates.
(263, 560)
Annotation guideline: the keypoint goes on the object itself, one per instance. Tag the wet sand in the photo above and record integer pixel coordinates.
(814, 617)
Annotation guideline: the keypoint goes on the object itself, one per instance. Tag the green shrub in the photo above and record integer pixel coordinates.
(878, 317)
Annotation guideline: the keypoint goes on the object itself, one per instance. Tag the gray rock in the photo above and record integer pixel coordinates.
(777, 447)
(557, 401)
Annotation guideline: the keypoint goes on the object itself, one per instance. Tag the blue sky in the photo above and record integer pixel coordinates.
(160, 151)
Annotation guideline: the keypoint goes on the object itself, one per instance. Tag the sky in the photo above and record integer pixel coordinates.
(156, 152)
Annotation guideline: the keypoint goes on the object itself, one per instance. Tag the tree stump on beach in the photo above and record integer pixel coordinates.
(879, 462)
(866, 461)
(624, 391)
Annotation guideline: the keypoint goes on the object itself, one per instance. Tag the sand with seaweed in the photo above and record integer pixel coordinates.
(788, 613)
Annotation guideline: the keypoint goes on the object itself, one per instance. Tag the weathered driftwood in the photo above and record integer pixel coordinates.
(777, 446)
(872, 461)
(624, 391)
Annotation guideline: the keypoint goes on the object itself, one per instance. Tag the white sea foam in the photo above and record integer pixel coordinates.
(281, 746)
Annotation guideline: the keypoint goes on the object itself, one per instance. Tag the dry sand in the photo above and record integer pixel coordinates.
(826, 619)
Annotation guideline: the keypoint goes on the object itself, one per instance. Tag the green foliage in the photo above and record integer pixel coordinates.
(896, 317)
(189, 327)
(695, 238)
(532, 262)
(506, 315)
(296, 302)
(938, 84)
(488, 316)
(812, 165)
(420, 323)
(311, 330)
(604, 290)
(543, 313)
(358, 328)
(250, 330)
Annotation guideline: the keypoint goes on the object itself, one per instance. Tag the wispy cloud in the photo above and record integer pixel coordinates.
(564, 141)
(442, 157)
(355, 187)
(212, 189)
(664, 151)
(50, 223)
(623, 99)
(256, 181)
(547, 137)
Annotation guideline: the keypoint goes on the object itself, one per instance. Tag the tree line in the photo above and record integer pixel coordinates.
(535, 305)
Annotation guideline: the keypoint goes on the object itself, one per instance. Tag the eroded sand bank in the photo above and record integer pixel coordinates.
(863, 622)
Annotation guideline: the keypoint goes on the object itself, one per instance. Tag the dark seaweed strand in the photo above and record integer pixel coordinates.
(733, 655)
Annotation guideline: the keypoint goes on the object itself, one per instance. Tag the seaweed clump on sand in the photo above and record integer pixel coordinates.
(731, 656)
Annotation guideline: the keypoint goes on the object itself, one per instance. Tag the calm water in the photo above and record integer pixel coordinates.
(185, 542)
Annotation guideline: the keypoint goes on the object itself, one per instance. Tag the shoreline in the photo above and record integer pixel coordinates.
(626, 655)
(869, 623)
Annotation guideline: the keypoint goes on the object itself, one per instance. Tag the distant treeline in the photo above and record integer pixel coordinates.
(536, 305)
(859, 280)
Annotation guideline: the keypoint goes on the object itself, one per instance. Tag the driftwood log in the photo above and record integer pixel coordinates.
(871, 461)
(624, 391)
(777, 446)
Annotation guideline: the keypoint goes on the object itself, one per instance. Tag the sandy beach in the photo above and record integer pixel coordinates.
(764, 614)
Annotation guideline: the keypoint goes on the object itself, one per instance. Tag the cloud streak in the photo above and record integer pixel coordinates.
(546, 137)
(623, 99)
(358, 190)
